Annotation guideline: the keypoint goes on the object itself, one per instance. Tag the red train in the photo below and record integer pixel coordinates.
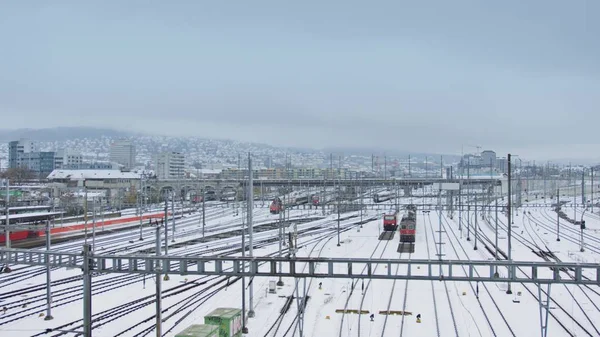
(390, 222)
(315, 200)
(276, 206)
(408, 225)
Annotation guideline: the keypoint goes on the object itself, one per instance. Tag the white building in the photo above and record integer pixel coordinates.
(68, 159)
(169, 165)
(123, 152)
(17, 148)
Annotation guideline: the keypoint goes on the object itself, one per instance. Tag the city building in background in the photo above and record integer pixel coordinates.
(67, 159)
(488, 158)
(169, 165)
(122, 151)
(17, 148)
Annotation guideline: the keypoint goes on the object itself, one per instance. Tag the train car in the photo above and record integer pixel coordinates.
(302, 200)
(210, 195)
(382, 196)
(276, 206)
(408, 226)
(314, 200)
(390, 222)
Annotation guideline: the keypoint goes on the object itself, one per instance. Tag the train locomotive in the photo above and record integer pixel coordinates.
(408, 224)
(276, 206)
(390, 222)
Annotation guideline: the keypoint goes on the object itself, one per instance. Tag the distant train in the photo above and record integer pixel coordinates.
(314, 200)
(382, 196)
(276, 206)
(301, 200)
(408, 224)
(390, 222)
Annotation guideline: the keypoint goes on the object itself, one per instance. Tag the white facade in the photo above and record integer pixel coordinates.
(17, 148)
(68, 159)
(169, 165)
(123, 152)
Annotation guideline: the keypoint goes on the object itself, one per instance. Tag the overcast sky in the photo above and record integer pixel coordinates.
(409, 75)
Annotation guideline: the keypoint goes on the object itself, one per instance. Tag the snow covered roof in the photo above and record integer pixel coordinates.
(91, 174)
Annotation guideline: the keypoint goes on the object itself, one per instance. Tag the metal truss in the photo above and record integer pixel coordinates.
(447, 270)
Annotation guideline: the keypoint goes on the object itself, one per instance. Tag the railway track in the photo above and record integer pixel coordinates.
(454, 240)
(531, 246)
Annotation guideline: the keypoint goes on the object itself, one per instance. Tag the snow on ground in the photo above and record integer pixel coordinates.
(446, 308)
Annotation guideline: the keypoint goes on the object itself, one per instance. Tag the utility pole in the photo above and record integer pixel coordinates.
(496, 246)
(7, 229)
(440, 225)
(87, 290)
(476, 221)
(583, 187)
(557, 215)
(244, 327)
(592, 188)
(509, 291)
(48, 279)
(203, 211)
(141, 212)
(280, 282)
(166, 225)
(85, 210)
(173, 221)
(158, 281)
(250, 210)
(93, 224)
(468, 201)
(338, 215)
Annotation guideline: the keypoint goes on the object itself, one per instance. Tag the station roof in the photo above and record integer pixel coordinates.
(91, 175)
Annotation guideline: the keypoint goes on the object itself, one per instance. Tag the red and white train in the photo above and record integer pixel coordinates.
(390, 221)
(408, 225)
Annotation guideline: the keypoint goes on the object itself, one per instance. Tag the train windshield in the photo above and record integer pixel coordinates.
(389, 217)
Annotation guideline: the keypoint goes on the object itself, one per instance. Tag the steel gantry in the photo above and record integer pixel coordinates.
(539, 273)
(414, 269)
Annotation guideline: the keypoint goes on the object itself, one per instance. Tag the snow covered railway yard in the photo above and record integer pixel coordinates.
(124, 304)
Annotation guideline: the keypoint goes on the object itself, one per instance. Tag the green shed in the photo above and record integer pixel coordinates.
(229, 321)
(199, 330)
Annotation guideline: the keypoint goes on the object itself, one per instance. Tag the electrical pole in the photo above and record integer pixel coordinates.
(141, 212)
(250, 210)
(476, 221)
(468, 201)
(166, 225)
(557, 215)
(280, 282)
(158, 281)
(338, 215)
(48, 279)
(87, 290)
(173, 222)
(509, 291)
(244, 328)
(7, 229)
(583, 187)
(93, 224)
(496, 246)
(592, 189)
(203, 210)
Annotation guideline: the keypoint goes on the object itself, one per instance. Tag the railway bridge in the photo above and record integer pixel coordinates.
(219, 186)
